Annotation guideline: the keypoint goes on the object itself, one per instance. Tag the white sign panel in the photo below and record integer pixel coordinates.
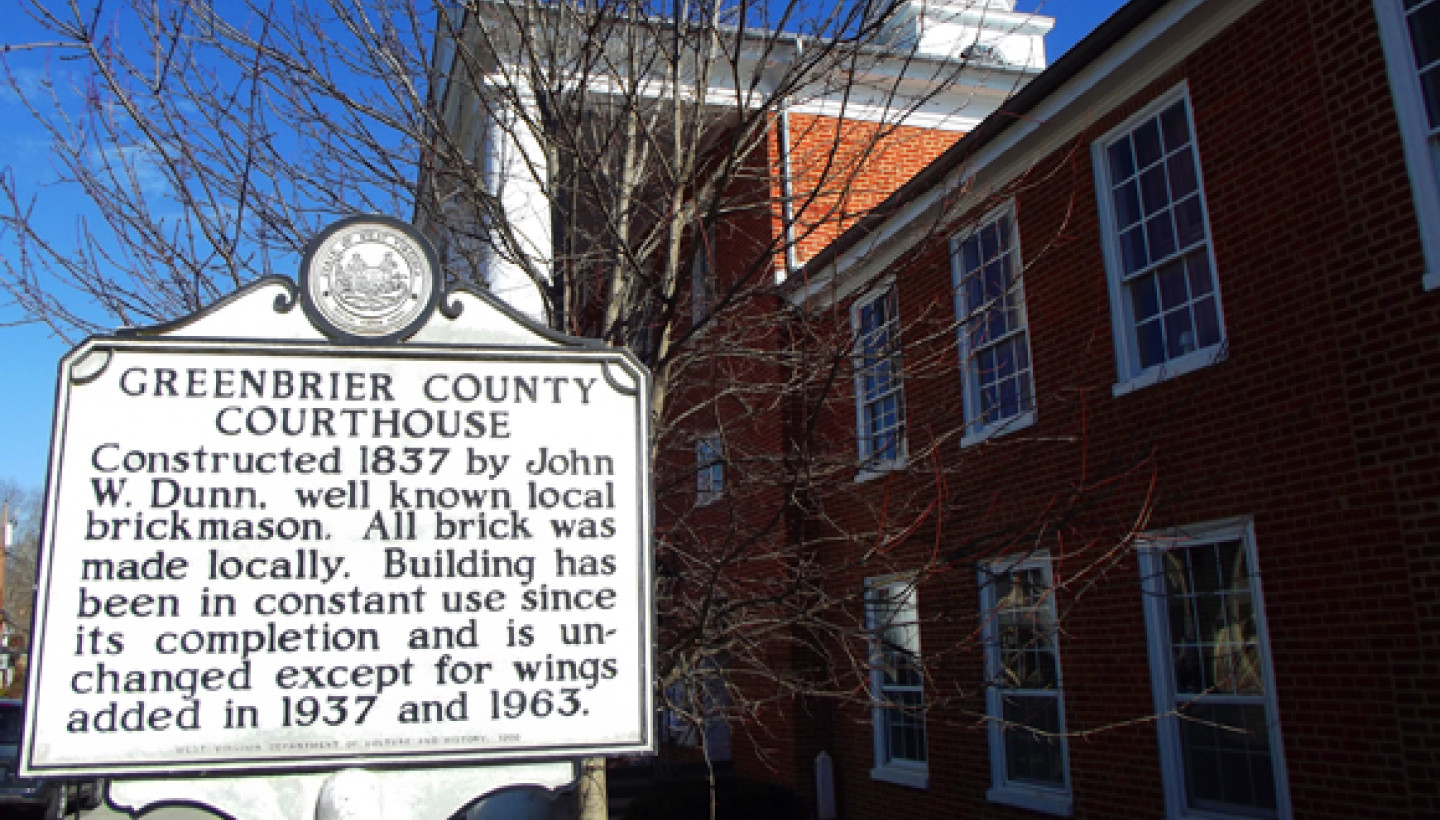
(280, 556)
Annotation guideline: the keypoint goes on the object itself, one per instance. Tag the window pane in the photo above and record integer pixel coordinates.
(1033, 750)
(1207, 323)
(1174, 126)
(1172, 285)
(995, 284)
(1127, 204)
(1430, 90)
(1132, 249)
(1150, 343)
(1425, 34)
(1189, 222)
(1197, 266)
(1144, 300)
(1225, 748)
(989, 242)
(1122, 165)
(1005, 359)
(1161, 235)
(970, 254)
(1147, 144)
(905, 726)
(1179, 334)
(1009, 398)
(1154, 193)
(1183, 180)
(986, 362)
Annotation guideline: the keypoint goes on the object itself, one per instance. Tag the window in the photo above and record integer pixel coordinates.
(994, 344)
(696, 701)
(1024, 704)
(879, 404)
(1163, 293)
(702, 279)
(1410, 30)
(709, 469)
(1220, 748)
(896, 682)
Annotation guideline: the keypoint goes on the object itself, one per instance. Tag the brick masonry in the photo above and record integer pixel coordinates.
(1321, 423)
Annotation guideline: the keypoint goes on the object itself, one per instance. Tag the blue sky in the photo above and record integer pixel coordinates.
(29, 355)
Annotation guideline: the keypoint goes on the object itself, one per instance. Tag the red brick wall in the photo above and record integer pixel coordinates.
(1321, 423)
(843, 168)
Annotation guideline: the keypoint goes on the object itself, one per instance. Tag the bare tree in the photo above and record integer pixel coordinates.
(22, 520)
(639, 172)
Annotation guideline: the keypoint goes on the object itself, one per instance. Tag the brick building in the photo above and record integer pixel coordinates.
(1136, 444)
(1184, 546)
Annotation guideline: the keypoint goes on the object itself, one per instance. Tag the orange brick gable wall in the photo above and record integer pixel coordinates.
(1321, 424)
(841, 168)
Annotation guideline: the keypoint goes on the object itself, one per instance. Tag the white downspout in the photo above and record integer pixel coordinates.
(787, 188)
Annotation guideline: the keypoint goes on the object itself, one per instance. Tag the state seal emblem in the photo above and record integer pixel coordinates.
(369, 279)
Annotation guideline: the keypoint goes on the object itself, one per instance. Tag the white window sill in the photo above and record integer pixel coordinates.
(999, 428)
(879, 468)
(1049, 802)
(916, 776)
(1173, 368)
(706, 499)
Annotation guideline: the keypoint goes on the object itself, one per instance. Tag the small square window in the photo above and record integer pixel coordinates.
(709, 469)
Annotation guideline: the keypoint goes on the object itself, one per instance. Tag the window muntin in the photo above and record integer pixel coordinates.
(880, 404)
(709, 469)
(1159, 255)
(1219, 736)
(1023, 695)
(896, 682)
(994, 342)
(1410, 32)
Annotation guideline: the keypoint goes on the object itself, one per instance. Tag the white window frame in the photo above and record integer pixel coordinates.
(1422, 148)
(977, 429)
(1130, 374)
(1151, 548)
(1003, 788)
(870, 464)
(889, 768)
(709, 469)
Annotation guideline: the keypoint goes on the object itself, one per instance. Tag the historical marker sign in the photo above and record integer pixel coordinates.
(291, 554)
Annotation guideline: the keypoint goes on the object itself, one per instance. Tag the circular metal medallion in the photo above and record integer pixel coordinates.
(369, 279)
